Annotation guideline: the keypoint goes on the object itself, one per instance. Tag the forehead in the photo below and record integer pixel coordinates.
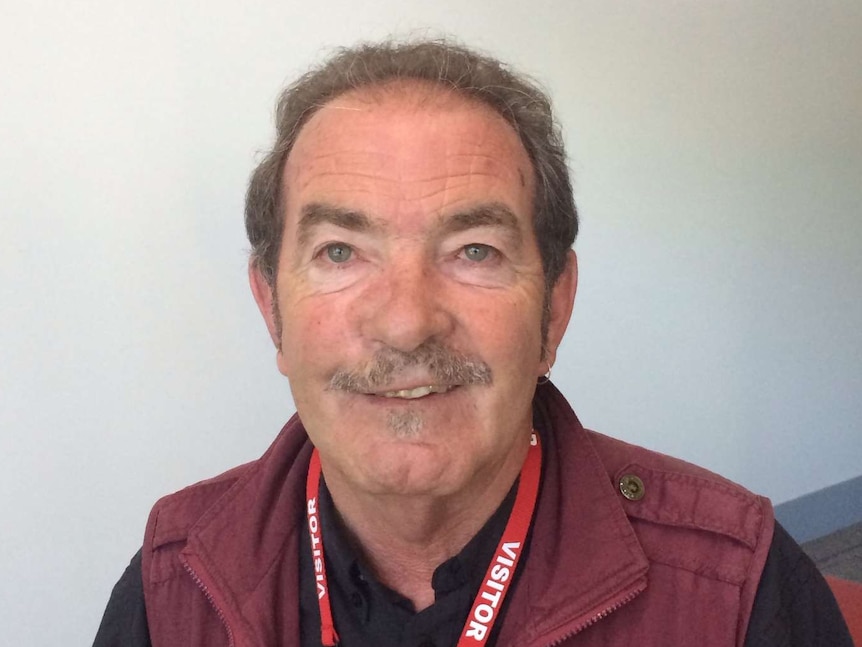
(408, 145)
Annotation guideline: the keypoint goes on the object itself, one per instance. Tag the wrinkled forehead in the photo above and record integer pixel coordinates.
(400, 100)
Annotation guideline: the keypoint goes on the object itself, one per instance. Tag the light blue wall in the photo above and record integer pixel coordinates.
(823, 512)
(717, 153)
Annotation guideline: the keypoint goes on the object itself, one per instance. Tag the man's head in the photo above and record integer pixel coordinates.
(514, 97)
(410, 298)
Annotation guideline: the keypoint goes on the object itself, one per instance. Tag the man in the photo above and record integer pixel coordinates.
(411, 241)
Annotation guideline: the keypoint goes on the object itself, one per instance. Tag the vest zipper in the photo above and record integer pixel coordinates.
(209, 597)
(621, 602)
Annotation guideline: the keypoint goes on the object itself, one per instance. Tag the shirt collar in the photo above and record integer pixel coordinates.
(466, 569)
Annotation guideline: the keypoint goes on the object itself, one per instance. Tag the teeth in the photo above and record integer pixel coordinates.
(418, 392)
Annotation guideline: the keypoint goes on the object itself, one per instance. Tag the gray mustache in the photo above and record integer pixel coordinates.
(444, 365)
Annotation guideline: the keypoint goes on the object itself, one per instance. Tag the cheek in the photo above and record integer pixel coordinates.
(316, 336)
(305, 317)
(299, 328)
(522, 319)
(509, 335)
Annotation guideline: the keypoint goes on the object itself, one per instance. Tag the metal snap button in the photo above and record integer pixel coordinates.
(631, 487)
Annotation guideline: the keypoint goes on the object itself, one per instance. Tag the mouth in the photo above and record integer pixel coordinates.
(416, 392)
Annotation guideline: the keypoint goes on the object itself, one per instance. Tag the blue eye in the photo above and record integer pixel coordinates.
(338, 252)
(477, 252)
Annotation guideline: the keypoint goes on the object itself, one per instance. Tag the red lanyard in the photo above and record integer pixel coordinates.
(498, 577)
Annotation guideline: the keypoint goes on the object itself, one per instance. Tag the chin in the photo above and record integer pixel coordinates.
(409, 467)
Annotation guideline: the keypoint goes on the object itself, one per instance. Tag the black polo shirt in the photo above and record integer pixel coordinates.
(368, 613)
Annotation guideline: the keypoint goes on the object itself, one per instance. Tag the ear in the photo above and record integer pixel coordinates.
(562, 302)
(263, 296)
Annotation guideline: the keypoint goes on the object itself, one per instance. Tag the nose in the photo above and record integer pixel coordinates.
(406, 306)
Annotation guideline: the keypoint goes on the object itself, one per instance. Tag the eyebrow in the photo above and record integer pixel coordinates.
(493, 214)
(318, 213)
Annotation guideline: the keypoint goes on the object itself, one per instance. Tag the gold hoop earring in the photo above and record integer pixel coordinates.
(546, 377)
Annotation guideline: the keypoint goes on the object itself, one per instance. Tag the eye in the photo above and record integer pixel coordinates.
(339, 252)
(477, 252)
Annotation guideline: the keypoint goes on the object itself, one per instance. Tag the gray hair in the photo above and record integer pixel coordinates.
(515, 97)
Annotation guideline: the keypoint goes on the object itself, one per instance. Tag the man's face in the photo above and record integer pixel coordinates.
(409, 261)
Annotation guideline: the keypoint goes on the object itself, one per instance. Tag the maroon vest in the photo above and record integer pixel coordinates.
(672, 557)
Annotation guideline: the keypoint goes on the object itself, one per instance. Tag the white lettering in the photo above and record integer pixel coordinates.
(477, 630)
(500, 574)
(511, 548)
(497, 586)
(483, 613)
(493, 591)
(316, 551)
(493, 598)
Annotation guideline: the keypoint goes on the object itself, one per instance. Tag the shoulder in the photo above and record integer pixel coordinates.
(705, 538)
(677, 493)
(687, 517)
(174, 514)
(657, 489)
(666, 492)
(173, 517)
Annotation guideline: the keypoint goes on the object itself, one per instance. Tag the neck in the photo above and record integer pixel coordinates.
(403, 538)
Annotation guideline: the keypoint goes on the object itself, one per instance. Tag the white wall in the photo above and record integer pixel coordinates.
(717, 150)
